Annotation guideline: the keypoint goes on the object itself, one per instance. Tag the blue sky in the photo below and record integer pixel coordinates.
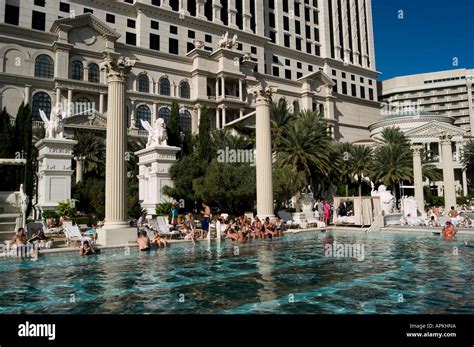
(428, 38)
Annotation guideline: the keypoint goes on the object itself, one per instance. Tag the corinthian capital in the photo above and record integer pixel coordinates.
(117, 67)
(262, 92)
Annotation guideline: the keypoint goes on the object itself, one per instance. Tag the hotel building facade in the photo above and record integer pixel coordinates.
(318, 53)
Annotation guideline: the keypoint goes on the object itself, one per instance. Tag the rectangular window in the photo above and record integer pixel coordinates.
(371, 94)
(297, 27)
(344, 87)
(297, 9)
(109, 18)
(273, 36)
(88, 10)
(190, 46)
(353, 90)
(285, 6)
(173, 46)
(208, 38)
(12, 14)
(287, 40)
(155, 25)
(191, 34)
(156, 2)
(317, 50)
(276, 71)
(39, 3)
(299, 65)
(310, 68)
(155, 42)
(298, 44)
(271, 19)
(131, 23)
(288, 74)
(286, 23)
(131, 39)
(253, 50)
(299, 75)
(173, 29)
(271, 4)
(362, 92)
(63, 7)
(38, 21)
(334, 88)
(275, 60)
(309, 47)
(287, 62)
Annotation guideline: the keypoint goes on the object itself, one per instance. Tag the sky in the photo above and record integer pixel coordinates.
(432, 35)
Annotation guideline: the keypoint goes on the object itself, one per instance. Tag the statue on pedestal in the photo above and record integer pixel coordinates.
(387, 200)
(225, 42)
(54, 125)
(157, 135)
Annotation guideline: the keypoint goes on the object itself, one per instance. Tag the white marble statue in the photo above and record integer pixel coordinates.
(54, 125)
(225, 42)
(157, 135)
(387, 200)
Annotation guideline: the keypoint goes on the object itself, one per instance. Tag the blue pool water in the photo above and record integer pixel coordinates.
(399, 273)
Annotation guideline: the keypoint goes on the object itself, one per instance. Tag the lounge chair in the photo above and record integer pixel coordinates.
(164, 230)
(73, 234)
(49, 231)
(311, 219)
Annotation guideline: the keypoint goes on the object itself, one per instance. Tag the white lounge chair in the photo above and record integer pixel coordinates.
(163, 228)
(73, 234)
(311, 219)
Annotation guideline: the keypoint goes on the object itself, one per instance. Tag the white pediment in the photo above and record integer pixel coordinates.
(94, 120)
(435, 129)
(85, 23)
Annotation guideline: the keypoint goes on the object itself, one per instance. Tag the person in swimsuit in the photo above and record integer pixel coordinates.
(448, 231)
(143, 241)
(268, 228)
(206, 212)
(86, 249)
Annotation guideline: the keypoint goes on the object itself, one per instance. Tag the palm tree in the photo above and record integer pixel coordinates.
(360, 163)
(468, 157)
(305, 145)
(280, 116)
(92, 148)
(341, 164)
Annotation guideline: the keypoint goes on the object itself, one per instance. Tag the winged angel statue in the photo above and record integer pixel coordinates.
(157, 135)
(54, 125)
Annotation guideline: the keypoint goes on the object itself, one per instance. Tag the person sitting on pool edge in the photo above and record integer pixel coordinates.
(86, 249)
(448, 231)
(143, 241)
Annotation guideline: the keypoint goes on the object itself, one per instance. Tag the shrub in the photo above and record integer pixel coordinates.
(163, 209)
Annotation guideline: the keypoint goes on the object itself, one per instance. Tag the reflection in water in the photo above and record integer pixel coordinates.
(264, 265)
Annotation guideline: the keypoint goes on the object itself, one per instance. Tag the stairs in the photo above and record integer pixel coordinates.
(8, 225)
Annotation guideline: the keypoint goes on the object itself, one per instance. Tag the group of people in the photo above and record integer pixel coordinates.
(323, 207)
(241, 229)
(20, 241)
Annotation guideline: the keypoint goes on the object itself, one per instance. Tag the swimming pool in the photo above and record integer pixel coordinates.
(398, 273)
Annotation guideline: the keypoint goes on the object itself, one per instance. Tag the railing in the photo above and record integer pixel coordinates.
(377, 223)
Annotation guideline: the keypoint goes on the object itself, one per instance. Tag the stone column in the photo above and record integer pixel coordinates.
(224, 116)
(117, 69)
(470, 101)
(165, 4)
(345, 32)
(263, 96)
(196, 118)
(101, 103)
(216, 11)
(217, 88)
(70, 106)
(223, 87)
(232, 15)
(418, 177)
(448, 172)
(218, 118)
(27, 94)
(241, 90)
(154, 113)
(58, 97)
(247, 16)
(464, 183)
(79, 168)
(200, 9)
(337, 43)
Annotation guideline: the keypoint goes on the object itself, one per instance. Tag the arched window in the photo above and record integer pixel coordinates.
(143, 113)
(94, 73)
(77, 70)
(185, 121)
(41, 101)
(83, 105)
(44, 66)
(164, 113)
(143, 84)
(165, 87)
(185, 90)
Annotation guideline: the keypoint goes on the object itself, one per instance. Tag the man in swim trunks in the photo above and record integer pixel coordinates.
(206, 212)
(143, 241)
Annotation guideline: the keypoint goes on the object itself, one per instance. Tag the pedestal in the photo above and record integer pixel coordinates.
(54, 172)
(154, 167)
(116, 235)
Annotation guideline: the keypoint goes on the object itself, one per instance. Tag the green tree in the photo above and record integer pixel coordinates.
(286, 184)
(304, 145)
(203, 141)
(173, 126)
(66, 209)
(8, 181)
(280, 116)
(231, 187)
(393, 159)
(23, 137)
(467, 159)
(361, 163)
(341, 164)
(92, 147)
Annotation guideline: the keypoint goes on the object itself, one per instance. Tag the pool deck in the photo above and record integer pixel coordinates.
(173, 243)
